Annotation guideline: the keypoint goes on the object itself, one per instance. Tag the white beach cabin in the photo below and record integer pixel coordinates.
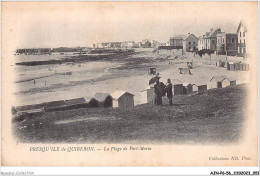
(225, 83)
(147, 95)
(191, 88)
(123, 99)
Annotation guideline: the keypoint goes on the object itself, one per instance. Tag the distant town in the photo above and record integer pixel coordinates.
(213, 41)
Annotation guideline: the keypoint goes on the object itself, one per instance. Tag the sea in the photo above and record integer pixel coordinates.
(43, 83)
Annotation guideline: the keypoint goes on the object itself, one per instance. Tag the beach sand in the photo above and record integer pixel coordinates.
(129, 75)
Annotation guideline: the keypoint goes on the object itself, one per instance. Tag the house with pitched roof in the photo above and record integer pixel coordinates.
(208, 42)
(242, 39)
(190, 43)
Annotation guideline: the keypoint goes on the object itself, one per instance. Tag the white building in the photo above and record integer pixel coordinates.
(208, 41)
(242, 39)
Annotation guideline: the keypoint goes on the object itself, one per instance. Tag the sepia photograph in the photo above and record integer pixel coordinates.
(129, 83)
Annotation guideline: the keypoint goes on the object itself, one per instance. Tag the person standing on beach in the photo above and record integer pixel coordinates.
(169, 91)
(158, 94)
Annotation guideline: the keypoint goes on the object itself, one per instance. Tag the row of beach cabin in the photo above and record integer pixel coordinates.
(122, 99)
(118, 99)
(187, 88)
(233, 66)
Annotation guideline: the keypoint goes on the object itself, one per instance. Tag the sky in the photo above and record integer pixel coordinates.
(56, 24)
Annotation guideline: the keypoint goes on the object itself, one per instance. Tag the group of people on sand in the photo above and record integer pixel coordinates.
(160, 90)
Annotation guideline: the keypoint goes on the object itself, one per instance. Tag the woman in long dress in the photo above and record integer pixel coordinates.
(157, 94)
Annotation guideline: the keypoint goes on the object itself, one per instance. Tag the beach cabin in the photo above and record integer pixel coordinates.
(191, 88)
(122, 99)
(225, 82)
(178, 89)
(231, 66)
(224, 64)
(147, 95)
(91, 102)
(29, 107)
(53, 104)
(238, 66)
(104, 100)
(202, 87)
(68, 105)
(241, 65)
(75, 103)
(197, 85)
(219, 82)
(232, 82)
(245, 66)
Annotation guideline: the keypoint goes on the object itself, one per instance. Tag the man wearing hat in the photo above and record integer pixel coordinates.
(169, 91)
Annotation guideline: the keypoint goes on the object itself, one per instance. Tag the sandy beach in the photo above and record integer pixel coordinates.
(129, 74)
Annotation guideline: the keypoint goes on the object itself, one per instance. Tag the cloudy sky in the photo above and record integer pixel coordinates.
(54, 24)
